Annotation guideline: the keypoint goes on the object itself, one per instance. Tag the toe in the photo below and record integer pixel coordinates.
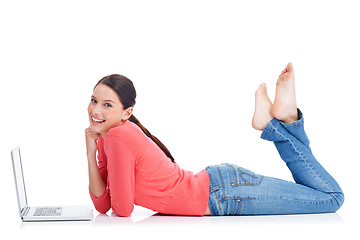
(289, 67)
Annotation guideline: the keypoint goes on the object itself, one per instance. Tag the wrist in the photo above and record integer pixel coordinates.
(91, 156)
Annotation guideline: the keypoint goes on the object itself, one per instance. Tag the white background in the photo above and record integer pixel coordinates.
(196, 66)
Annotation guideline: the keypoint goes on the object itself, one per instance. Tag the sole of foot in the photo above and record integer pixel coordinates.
(284, 107)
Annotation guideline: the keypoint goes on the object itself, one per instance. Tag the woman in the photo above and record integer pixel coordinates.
(134, 167)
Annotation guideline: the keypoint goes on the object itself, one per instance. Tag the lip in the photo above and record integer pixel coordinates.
(96, 121)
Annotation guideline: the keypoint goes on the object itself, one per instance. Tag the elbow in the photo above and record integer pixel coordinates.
(102, 210)
(123, 212)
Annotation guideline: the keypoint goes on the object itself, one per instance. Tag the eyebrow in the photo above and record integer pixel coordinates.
(104, 100)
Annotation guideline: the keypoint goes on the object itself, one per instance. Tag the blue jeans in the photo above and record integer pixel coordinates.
(238, 191)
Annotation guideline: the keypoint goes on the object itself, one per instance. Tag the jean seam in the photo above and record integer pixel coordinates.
(236, 175)
(253, 176)
(237, 198)
(331, 199)
(221, 180)
(213, 188)
(246, 183)
(240, 207)
(223, 188)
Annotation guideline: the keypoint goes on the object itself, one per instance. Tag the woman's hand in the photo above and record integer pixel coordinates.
(91, 141)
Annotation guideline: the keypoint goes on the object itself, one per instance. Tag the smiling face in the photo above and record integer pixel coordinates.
(105, 110)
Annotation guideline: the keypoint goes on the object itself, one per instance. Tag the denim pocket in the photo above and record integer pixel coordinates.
(226, 194)
(243, 177)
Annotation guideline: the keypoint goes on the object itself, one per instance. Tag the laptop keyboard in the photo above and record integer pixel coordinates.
(48, 211)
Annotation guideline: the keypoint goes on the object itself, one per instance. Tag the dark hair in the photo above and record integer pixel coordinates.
(125, 89)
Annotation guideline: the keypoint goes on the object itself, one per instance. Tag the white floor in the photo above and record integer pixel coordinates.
(144, 223)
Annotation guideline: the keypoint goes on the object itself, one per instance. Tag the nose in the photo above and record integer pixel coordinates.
(95, 110)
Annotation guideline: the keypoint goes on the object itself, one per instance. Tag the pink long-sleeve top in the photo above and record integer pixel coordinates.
(136, 171)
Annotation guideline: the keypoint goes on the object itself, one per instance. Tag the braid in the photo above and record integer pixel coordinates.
(152, 137)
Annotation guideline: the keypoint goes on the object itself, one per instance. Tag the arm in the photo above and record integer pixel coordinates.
(121, 175)
(96, 184)
(97, 187)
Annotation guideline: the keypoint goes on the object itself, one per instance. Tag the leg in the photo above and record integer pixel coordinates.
(296, 153)
(238, 191)
(234, 190)
(286, 130)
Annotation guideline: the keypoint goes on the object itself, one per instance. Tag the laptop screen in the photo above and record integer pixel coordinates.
(19, 178)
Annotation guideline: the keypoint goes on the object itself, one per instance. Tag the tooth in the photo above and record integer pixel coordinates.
(97, 120)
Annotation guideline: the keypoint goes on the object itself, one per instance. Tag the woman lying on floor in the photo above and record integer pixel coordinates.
(134, 167)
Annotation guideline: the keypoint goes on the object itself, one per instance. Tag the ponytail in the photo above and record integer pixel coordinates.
(152, 137)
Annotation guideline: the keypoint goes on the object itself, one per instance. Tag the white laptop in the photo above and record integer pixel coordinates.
(54, 213)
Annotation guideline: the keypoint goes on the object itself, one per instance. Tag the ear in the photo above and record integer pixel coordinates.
(127, 114)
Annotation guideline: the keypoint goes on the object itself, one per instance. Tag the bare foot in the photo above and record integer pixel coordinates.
(262, 108)
(284, 107)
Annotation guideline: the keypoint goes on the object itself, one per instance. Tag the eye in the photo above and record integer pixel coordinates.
(93, 100)
(107, 105)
